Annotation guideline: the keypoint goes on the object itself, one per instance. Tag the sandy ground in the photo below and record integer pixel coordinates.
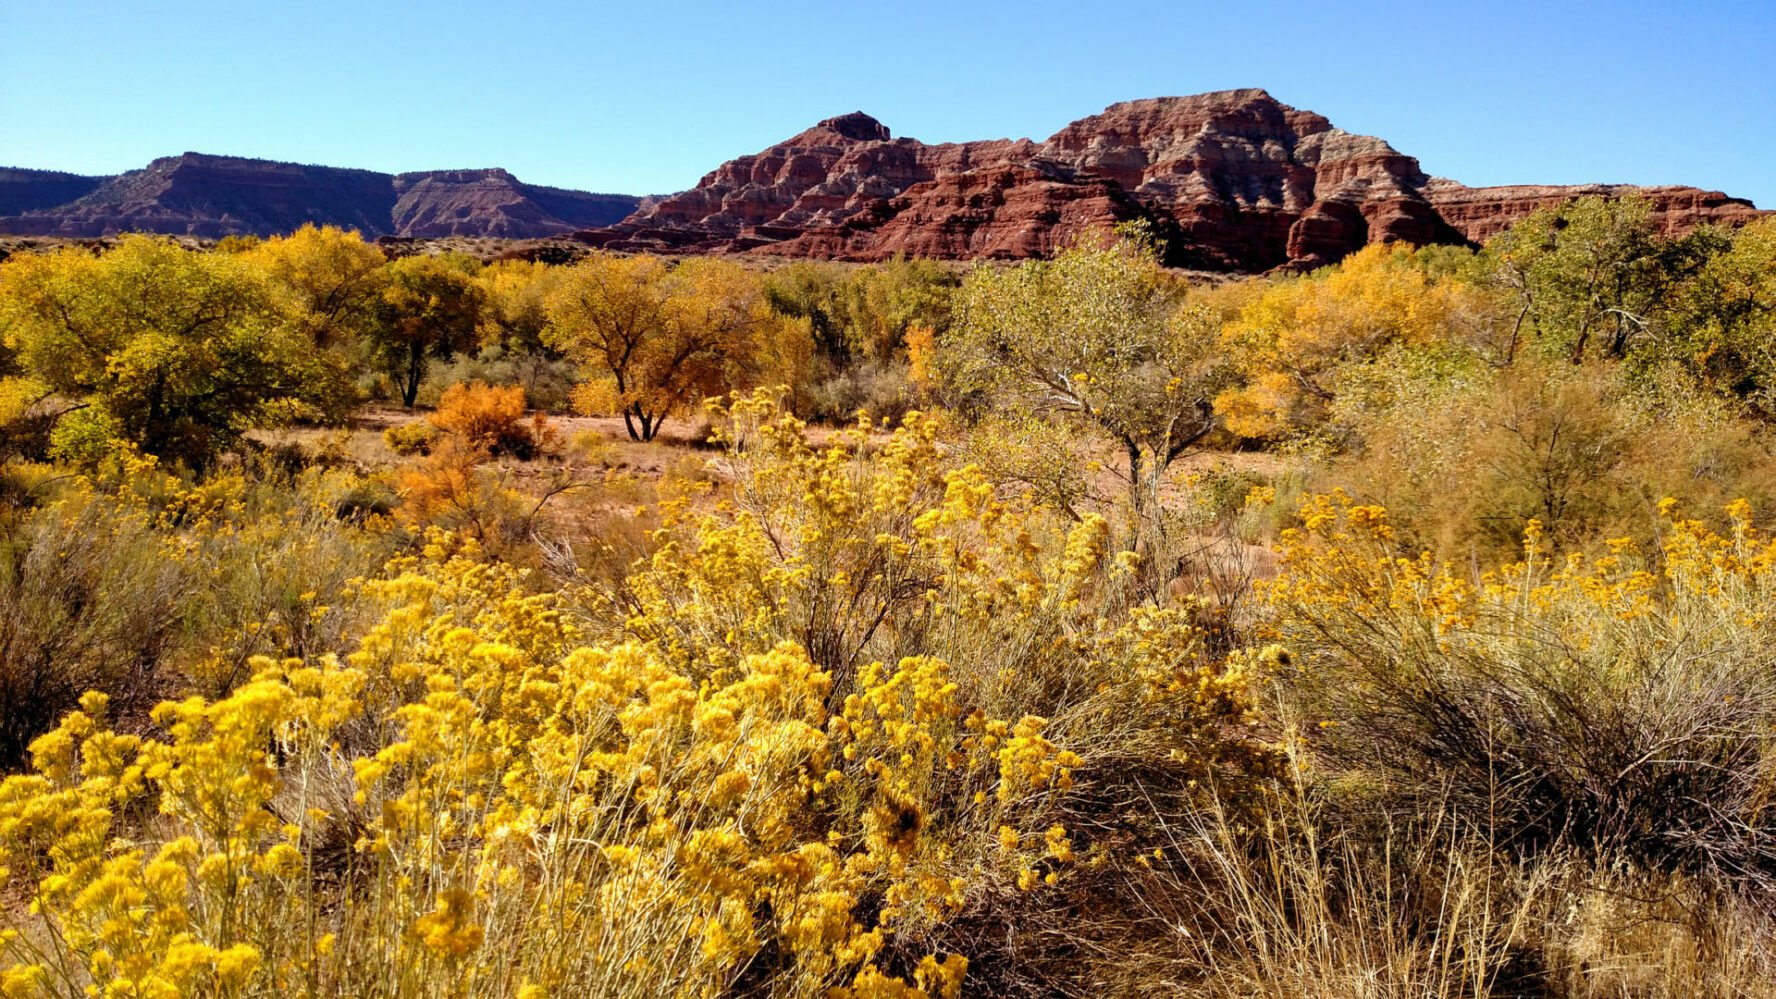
(675, 447)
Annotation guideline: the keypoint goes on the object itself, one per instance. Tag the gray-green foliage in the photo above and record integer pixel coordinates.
(1099, 335)
(1588, 275)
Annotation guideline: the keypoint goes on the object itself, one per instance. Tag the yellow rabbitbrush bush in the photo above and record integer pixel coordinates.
(1619, 704)
(873, 548)
(491, 797)
(619, 829)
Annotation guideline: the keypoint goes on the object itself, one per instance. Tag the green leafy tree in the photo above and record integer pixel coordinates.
(863, 312)
(430, 308)
(1588, 275)
(184, 351)
(1097, 334)
(885, 300)
(1722, 325)
(815, 291)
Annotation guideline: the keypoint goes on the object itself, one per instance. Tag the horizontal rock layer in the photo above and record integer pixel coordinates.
(1237, 180)
(1234, 180)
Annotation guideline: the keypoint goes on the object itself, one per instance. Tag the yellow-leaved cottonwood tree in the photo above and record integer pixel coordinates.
(430, 308)
(179, 352)
(659, 337)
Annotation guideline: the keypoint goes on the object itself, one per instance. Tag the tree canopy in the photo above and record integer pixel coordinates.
(183, 351)
(1099, 333)
(659, 337)
(430, 308)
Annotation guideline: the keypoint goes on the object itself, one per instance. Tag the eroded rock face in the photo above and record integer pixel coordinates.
(836, 177)
(1480, 213)
(1235, 180)
(214, 196)
(1240, 181)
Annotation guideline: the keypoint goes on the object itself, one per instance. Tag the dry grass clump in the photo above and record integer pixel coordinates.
(140, 583)
(1617, 704)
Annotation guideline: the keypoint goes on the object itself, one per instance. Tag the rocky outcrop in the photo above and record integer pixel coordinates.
(1480, 213)
(214, 196)
(838, 175)
(1237, 180)
(1003, 212)
(1234, 180)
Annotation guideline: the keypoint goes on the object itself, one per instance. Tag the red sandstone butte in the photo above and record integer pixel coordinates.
(1235, 179)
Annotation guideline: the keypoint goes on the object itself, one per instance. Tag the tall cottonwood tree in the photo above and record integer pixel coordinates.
(1295, 338)
(1587, 275)
(429, 308)
(1721, 323)
(335, 281)
(516, 314)
(335, 277)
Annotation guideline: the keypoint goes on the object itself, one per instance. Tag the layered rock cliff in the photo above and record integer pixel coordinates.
(1236, 179)
(1480, 213)
(213, 196)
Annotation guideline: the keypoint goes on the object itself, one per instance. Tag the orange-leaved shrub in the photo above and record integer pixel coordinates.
(492, 417)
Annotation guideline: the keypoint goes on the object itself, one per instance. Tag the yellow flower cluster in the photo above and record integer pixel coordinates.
(1343, 569)
(670, 825)
(726, 786)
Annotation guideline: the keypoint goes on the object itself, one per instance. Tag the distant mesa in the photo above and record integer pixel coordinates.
(1233, 180)
(213, 196)
(30, 190)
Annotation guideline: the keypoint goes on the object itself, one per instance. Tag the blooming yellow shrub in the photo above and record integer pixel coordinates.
(1563, 696)
(655, 821)
(816, 741)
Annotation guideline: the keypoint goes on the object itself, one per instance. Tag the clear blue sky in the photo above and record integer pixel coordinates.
(646, 97)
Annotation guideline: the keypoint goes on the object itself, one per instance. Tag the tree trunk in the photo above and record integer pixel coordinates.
(415, 371)
(1137, 494)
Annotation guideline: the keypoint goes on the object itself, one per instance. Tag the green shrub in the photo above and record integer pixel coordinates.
(85, 437)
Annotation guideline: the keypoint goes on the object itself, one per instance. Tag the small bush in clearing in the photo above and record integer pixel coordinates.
(492, 417)
(410, 439)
